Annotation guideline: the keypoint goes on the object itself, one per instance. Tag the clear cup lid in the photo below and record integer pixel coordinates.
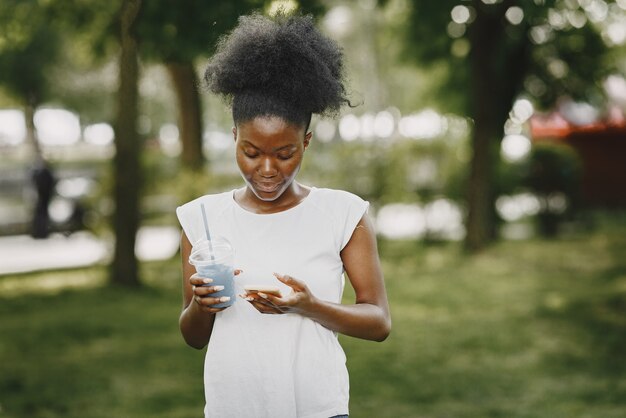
(215, 252)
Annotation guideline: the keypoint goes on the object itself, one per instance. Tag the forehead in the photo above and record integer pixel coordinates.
(269, 127)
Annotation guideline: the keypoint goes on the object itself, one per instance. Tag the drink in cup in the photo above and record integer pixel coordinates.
(214, 260)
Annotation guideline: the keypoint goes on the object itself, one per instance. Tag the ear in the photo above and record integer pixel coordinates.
(235, 133)
(307, 139)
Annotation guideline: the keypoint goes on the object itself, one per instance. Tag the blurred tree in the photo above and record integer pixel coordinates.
(492, 52)
(126, 162)
(99, 25)
(29, 47)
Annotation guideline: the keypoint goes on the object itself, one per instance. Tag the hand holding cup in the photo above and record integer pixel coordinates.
(213, 283)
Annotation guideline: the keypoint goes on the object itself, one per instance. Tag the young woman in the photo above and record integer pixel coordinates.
(271, 356)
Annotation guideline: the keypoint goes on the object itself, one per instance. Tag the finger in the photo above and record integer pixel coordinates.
(197, 276)
(199, 281)
(264, 299)
(205, 308)
(271, 299)
(202, 303)
(207, 290)
(255, 299)
(290, 281)
(209, 301)
(265, 307)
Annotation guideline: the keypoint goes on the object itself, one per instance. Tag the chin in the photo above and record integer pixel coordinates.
(268, 197)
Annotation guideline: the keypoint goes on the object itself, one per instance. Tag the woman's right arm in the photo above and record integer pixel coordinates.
(197, 318)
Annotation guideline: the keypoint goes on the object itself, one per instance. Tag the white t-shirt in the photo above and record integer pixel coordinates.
(278, 366)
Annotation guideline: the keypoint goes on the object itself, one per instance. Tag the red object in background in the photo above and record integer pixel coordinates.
(602, 148)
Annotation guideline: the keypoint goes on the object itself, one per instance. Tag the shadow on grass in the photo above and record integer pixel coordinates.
(595, 321)
(601, 324)
(97, 352)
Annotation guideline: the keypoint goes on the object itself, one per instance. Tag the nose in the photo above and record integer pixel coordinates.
(267, 168)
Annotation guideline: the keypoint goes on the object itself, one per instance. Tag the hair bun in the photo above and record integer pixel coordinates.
(284, 59)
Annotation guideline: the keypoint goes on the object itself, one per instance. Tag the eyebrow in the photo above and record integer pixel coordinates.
(274, 149)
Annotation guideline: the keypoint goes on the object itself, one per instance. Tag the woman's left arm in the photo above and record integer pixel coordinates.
(368, 317)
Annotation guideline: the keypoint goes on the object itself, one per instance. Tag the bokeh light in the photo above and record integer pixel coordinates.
(515, 147)
(367, 127)
(168, 140)
(218, 140)
(338, 21)
(349, 128)
(514, 15)
(522, 111)
(12, 127)
(401, 221)
(384, 124)
(427, 124)
(325, 130)
(460, 14)
(516, 207)
(57, 127)
(99, 134)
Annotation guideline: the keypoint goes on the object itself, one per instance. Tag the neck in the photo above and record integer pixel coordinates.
(290, 198)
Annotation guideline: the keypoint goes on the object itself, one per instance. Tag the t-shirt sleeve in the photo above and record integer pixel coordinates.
(190, 214)
(188, 219)
(354, 209)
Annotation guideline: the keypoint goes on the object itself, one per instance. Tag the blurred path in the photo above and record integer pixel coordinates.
(22, 253)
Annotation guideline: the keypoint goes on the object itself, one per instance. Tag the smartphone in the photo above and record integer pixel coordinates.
(270, 290)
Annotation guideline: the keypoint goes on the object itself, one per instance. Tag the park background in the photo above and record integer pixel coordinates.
(488, 135)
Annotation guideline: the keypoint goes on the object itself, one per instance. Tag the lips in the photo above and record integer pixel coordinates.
(267, 187)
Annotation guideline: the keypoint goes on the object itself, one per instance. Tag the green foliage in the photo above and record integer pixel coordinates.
(554, 168)
(581, 50)
(180, 31)
(510, 177)
(92, 21)
(29, 45)
(554, 176)
(48, 51)
(586, 62)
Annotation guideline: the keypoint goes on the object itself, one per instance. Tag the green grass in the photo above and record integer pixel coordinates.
(524, 329)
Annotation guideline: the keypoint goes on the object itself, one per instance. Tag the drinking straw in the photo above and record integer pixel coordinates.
(206, 229)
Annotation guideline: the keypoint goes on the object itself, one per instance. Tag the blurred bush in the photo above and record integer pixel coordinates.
(554, 176)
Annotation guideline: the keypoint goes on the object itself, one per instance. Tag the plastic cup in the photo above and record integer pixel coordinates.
(217, 265)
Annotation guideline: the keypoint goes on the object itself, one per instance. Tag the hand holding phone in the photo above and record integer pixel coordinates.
(269, 290)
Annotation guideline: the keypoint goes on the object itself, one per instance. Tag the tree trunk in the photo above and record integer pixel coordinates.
(31, 131)
(485, 33)
(183, 77)
(498, 67)
(126, 164)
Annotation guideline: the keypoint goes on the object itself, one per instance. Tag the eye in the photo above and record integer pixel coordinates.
(285, 156)
(251, 154)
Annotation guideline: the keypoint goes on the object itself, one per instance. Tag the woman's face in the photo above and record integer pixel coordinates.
(269, 154)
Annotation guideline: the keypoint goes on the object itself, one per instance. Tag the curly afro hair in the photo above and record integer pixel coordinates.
(282, 66)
